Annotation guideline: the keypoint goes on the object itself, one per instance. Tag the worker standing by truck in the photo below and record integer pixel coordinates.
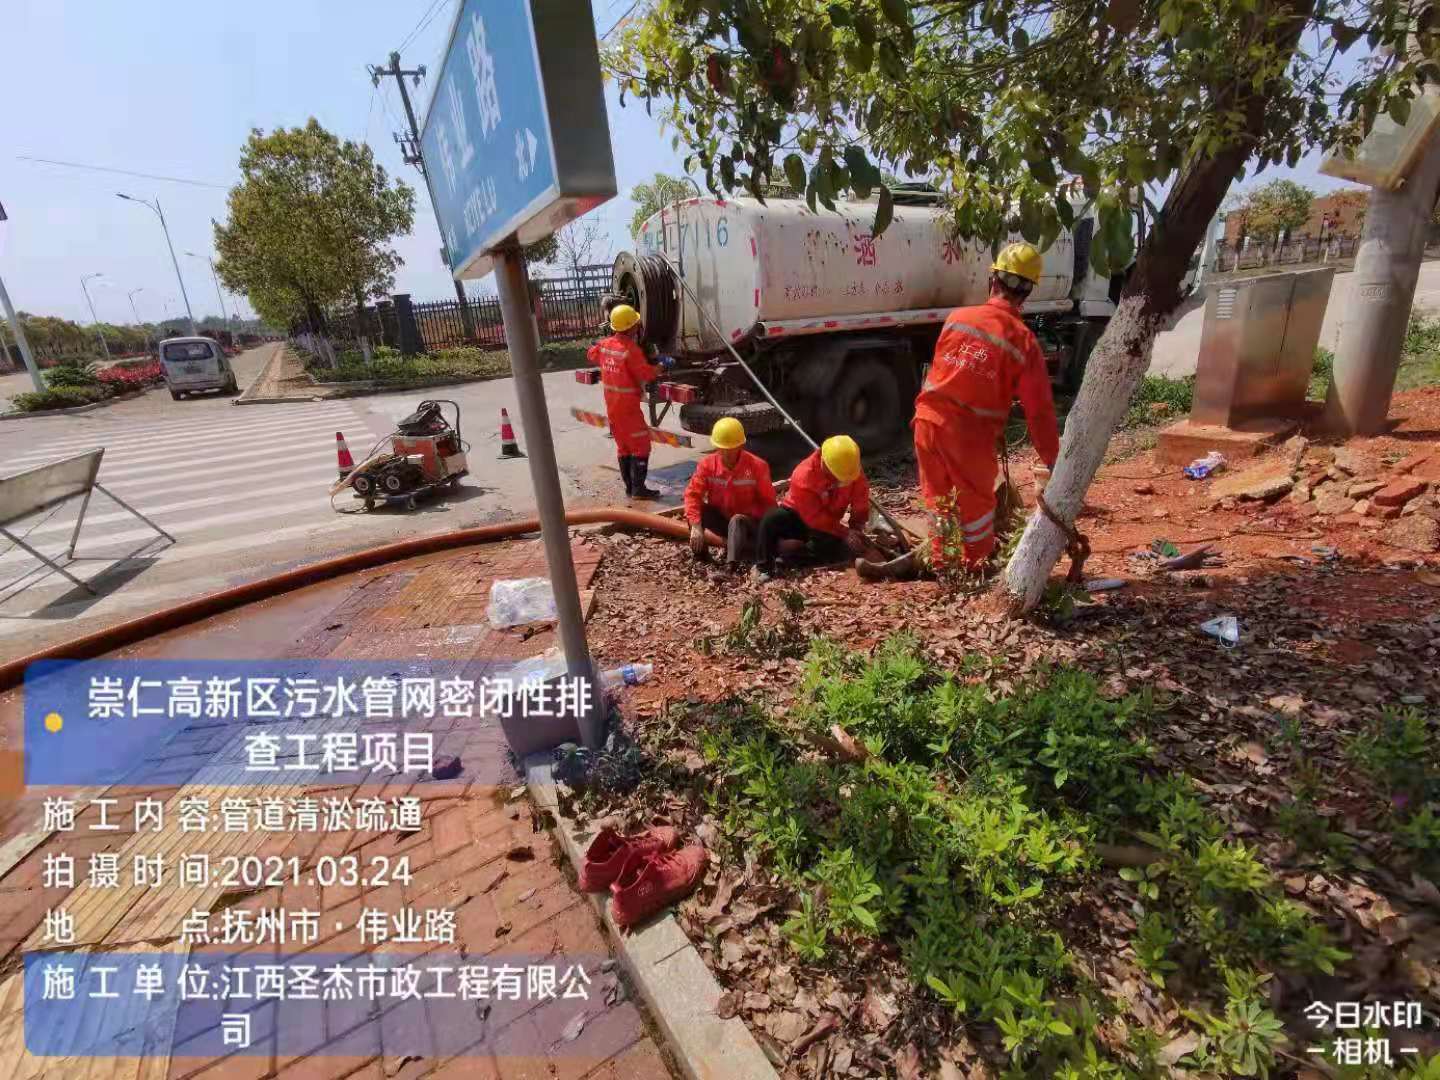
(624, 371)
(822, 488)
(728, 494)
(985, 356)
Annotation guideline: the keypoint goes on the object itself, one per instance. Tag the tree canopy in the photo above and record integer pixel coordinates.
(1008, 102)
(310, 224)
(651, 195)
(1268, 210)
(1018, 109)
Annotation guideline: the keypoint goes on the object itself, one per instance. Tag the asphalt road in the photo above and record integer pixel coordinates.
(245, 492)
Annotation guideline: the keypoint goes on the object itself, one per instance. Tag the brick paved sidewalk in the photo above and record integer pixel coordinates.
(479, 851)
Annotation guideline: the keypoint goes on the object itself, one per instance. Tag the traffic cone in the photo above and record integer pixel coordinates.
(508, 446)
(342, 454)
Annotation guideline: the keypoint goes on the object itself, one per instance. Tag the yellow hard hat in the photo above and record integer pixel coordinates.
(1022, 260)
(727, 434)
(842, 457)
(623, 317)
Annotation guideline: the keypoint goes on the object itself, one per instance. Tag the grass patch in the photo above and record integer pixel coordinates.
(1320, 374)
(964, 837)
(388, 366)
(1158, 400)
(1420, 360)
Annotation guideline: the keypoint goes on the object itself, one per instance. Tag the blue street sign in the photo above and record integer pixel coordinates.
(498, 161)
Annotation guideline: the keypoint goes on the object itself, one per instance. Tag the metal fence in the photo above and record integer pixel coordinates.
(1303, 250)
(565, 308)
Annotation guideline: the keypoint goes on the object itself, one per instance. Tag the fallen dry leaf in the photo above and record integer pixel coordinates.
(520, 853)
(728, 1005)
(826, 1024)
(785, 1025)
(878, 1010)
(907, 1062)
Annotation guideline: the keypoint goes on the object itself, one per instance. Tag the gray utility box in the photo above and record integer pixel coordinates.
(1258, 346)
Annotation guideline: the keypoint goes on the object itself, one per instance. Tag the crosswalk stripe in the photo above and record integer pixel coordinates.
(216, 479)
(163, 513)
(183, 460)
(209, 552)
(283, 456)
(190, 528)
(236, 416)
(163, 438)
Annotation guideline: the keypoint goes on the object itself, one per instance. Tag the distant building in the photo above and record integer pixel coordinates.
(1338, 213)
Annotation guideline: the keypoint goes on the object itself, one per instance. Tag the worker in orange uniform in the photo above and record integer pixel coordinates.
(822, 488)
(986, 355)
(624, 371)
(729, 494)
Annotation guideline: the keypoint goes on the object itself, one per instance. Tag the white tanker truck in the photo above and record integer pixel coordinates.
(837, 322)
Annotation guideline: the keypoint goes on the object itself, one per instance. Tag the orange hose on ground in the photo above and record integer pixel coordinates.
(202, 607)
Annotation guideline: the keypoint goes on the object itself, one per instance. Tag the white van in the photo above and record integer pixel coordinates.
(195, 363)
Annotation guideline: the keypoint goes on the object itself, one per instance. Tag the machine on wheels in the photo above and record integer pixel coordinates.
(425, 453)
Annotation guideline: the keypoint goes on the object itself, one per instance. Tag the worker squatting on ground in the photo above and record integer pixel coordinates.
(822, 488)
(728, 494)
(624, 371)
(985, 356)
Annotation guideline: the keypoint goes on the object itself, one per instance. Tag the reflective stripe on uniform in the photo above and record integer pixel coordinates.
(999, 343)
(620, 389)
(984, 523)
(984, 414)
(748, 481)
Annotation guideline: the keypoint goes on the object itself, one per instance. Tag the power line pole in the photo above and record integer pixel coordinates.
(1387, 269)
(410, 147)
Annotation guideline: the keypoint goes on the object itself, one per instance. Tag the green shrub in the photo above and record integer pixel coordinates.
(1159, 398)
(963, 833)
(1320, 374)
(67, 376)
(66, 397)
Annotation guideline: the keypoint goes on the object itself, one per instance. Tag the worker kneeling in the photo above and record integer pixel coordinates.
(822, 488)
(624, 371)
(728, 494)
(985, 357)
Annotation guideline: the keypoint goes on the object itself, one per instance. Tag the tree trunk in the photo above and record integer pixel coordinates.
(1118, 363)
(1122, 355)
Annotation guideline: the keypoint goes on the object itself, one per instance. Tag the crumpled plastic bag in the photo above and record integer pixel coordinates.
(517, 601)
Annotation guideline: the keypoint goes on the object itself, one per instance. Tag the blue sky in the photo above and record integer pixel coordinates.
(173, 87)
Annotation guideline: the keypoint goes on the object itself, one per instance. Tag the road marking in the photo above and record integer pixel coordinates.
(161, 437)
(182, 529)
(207, 479)
(161, 513)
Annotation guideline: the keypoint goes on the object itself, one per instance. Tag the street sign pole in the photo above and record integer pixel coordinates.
(19, 332)
(524, 351)
(515, 144)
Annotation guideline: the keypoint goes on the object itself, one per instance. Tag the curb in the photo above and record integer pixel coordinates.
(277, 400)
(78, 408)
(665, 968)
(247, 399)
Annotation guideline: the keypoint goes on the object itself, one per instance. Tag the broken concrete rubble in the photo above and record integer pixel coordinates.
(1400, 491)
(1416, 533)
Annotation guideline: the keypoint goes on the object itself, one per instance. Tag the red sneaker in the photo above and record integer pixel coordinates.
(649, 883)
(607, 853)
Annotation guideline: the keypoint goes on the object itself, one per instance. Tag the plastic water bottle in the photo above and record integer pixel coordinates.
(626, 675)
(1203, 467)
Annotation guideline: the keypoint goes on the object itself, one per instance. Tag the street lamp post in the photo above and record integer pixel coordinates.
(174, 261)
(93, 317)
(134, 311)
(218, 294)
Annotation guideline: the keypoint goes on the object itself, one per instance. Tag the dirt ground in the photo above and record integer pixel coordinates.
(1339, 616)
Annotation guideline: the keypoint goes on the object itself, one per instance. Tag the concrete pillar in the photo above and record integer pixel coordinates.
(407, 331)
(1387, 265)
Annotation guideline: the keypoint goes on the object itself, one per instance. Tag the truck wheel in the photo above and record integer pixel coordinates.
(868, 403)
(175, 395)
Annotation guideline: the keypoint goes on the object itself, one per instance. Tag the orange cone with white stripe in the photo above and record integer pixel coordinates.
(342, 454)
(508, 446)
